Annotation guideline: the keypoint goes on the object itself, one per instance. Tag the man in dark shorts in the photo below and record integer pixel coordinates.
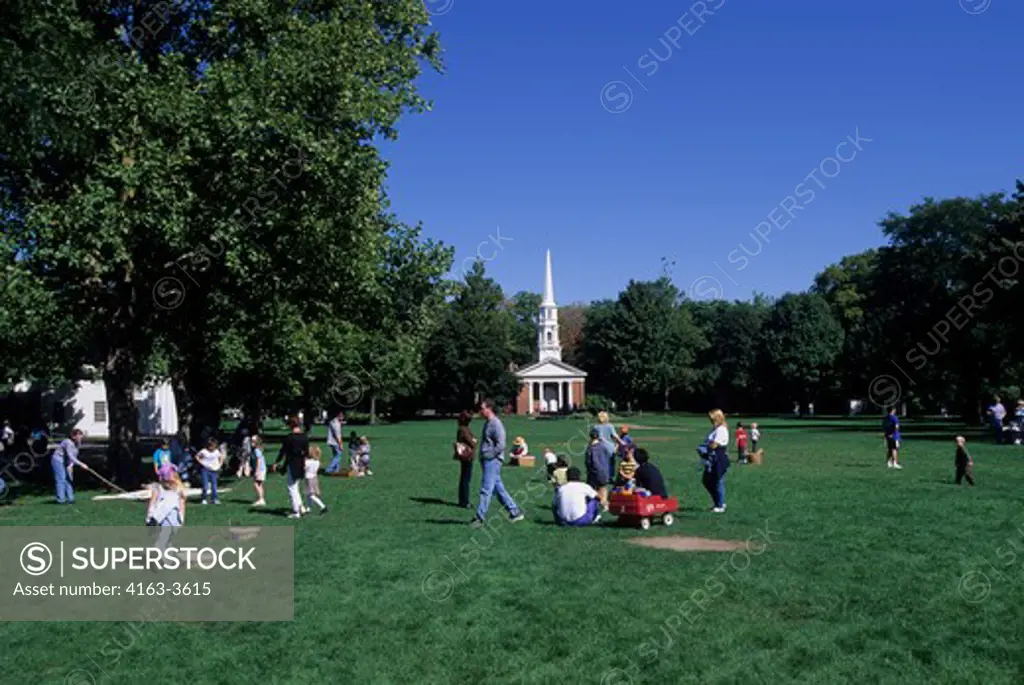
(891, 428)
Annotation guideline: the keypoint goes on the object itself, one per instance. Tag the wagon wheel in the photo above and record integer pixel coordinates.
(645, 523)
(669, 519)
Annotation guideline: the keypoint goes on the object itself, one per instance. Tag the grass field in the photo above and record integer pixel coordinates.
(854, 573)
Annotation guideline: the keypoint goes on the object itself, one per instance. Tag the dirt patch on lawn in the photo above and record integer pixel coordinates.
(633, 426)
(681, 543)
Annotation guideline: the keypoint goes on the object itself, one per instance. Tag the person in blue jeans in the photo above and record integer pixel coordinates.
(716, 460)
(492, 455)
(335, 442)
(63, 461)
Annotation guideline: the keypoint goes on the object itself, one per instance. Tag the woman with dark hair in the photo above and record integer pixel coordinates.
(465, 451)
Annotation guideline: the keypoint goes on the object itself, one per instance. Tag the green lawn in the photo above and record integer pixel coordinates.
(859, 580)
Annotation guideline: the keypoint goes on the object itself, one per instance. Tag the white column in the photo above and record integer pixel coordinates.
(529, 384)
(571, 400)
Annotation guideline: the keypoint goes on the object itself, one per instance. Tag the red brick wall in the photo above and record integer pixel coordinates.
(523, 400)
(578, 395)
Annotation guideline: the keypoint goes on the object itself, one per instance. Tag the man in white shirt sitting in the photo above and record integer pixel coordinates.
(576, 503)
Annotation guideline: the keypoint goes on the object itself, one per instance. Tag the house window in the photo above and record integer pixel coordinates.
(99, 412)
(549, 336)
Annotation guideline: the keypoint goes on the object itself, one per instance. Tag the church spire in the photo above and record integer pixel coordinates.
(548, 345)
(549, 288)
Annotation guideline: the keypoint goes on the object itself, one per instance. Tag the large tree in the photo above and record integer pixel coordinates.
(802, 341)
(470, 355)
(234, 140)
(641, 348)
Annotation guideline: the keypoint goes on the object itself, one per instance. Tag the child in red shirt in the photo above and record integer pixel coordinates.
(741, 442)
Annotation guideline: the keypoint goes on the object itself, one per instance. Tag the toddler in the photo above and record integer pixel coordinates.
(312, 482)
(741, 442)
(166, 505)
(755, 437)
(964, 463)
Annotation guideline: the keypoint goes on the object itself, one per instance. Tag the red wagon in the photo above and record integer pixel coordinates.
(638, 510)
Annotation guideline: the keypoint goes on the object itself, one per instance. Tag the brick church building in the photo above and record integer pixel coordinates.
(549, 385)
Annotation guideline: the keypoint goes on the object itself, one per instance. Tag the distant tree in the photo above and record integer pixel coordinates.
(643, 345)
(470, 353)
(802, 341)
(571, 320)
(524, 307)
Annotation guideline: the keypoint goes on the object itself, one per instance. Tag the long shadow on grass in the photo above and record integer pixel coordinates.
(434, 500)
(448, 522)
(282, 513)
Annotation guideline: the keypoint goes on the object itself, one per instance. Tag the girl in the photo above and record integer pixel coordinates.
(166, 505)
(259, 474)
(715, 459)
(364, 457)
(312, 468)
(211, 459)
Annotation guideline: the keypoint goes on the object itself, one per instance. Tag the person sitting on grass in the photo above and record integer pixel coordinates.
(558, 471)
(964, 463)
(519, 448)
(648, 476)
(626, 482)
(575, 503)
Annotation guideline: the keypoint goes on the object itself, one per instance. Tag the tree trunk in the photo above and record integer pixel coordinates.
(373, 409)
(183, 400)
(123, 417)
(667, 407)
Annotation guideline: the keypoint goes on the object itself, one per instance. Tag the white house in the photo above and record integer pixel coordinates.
(549, 384)
(84, 405)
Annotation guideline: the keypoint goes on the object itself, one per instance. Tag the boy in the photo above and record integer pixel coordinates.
(755, 436)
(964, 463)
(741, 442)
(891, 428)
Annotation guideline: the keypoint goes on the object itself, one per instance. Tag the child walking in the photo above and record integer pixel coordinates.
(741, 442)
(259, 474)
(364, 456)
(211, 459)
(964, 463)
(312, 482)
(166, 505)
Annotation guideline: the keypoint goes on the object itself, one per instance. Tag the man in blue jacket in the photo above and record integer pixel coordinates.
(492, 454)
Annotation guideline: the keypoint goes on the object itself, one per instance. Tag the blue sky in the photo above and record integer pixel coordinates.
(703, 139)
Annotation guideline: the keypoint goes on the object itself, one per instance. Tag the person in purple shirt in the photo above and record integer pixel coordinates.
(998, 412)
(63, 462)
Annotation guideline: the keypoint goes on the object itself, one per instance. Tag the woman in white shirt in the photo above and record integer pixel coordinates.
(716, 462)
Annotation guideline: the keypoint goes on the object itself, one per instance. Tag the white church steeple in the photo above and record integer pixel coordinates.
(548, 345)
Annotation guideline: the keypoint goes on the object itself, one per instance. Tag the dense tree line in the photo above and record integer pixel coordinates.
(193, 192)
